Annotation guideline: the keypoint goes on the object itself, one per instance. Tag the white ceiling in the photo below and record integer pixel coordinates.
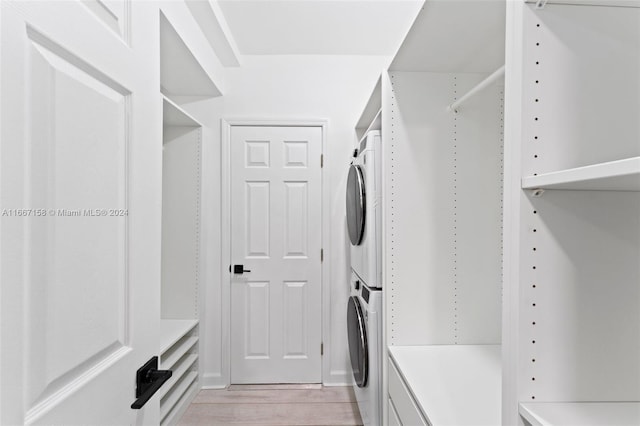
(319, 27)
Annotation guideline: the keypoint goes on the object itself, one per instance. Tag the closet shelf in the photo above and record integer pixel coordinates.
(435, 373)
(174, 396)
(376, 124)
(181, 73)
(371, 118)
(609, 3)
(581, 413)
(621, 175)
(180, 405)
(179, 371)
(174, 115)
(176, 354)
(173, 330)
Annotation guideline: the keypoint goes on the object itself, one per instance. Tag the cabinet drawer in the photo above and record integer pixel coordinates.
(405, 407)
(394, 420)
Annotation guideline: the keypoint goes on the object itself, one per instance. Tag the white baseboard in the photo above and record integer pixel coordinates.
(338, 378)
(335, 378)
(213, 381)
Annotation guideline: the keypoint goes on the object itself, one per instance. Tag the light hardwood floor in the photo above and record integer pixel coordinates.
(274, 405)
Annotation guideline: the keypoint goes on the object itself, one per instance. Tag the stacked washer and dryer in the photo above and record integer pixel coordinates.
(364, 311)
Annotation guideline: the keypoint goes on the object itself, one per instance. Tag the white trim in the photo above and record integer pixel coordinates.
(74, 385)
(338, 378)
(213, 381)
(225, 234)
(302, 122)
(511, 198)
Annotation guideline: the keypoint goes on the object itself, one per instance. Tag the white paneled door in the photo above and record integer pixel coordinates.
(276, 241)
(80, 189)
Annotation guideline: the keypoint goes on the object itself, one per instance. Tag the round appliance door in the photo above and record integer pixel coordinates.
(355, 204)
(357, 333)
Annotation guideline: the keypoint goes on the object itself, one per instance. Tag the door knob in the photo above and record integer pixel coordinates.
(239, 269)
(148, 381)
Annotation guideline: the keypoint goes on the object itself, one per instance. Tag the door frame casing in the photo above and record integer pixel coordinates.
(225, 235)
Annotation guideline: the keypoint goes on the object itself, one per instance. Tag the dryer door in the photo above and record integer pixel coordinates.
(358, 350)
(355, 204)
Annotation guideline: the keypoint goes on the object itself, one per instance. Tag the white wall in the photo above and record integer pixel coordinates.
(334, 88)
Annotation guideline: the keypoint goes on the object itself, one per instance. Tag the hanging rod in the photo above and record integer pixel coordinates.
(480, 86)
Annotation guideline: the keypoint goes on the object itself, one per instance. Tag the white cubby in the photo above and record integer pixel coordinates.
(180, 215)
(178, 353)
(574, 292)
(443, 211)
(543, 269)
(182, 79)
(443, 174)
(580, 86)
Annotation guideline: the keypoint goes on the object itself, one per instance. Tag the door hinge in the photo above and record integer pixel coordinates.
(321, 255)
(321, 349)
(321, 160)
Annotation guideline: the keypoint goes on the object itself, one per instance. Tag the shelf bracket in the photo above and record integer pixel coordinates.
(537, 192)
(540, 4)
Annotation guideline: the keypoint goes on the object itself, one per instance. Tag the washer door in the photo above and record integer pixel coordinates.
(358, 350)
(355, 204)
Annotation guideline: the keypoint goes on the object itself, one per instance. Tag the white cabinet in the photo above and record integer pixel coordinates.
(445, 384)
(394, 418)
(178, 353)
(443, 174)
(514, 221)
(181, 78)
(574, 214)
(404, 409)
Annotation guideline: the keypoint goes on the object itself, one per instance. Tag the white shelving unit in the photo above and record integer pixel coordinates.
(442, 249)
(182, 77)
(581, 413)
(529, 247)
(572, 280)
(179, 353)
